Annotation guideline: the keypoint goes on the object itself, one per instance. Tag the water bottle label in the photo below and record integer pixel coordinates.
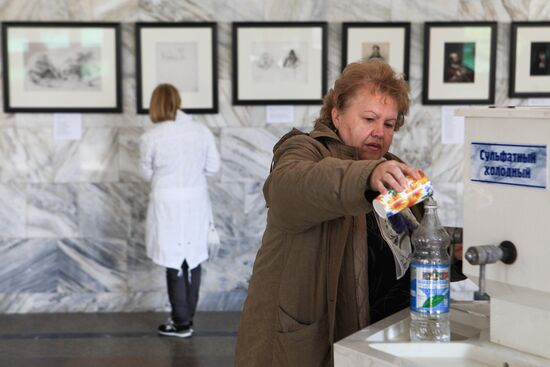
(429, 288)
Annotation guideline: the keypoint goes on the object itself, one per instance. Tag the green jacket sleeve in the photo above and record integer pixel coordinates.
(306, 187)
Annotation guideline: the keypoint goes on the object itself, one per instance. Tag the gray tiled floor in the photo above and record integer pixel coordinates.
(114, 339)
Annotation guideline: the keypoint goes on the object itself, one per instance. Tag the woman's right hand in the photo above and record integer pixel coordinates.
(391, 175)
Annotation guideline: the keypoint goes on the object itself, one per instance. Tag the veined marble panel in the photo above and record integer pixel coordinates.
(223, 301)
(227, 205)
(142, 301)
(40, 10)
(334, 54)
(225, 44)
(104, 210)
(450, 206)
(255, 211)
(173, 11)
(412, 143)
(12, 211)
(151, 279)
(503, 52)
(6, 119)
(538, 10)
(357, 11)
(28, 266)
(116, 11)
(226, 290)
(246, 154)
(127, 119)
(34, 120)
(128, 154)
(447, 162)
(503, 11)
(138, 198)
(92, 159)
(26, 155)
(420, 10)
(416, 59)
(97, 120)
(137, 257)
(295, 10)
(83, 302)
(501, 95)
(52, 210)
(233, 116)
(241, 10)
(92, 265)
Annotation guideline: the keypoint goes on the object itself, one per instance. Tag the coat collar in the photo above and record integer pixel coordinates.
(322, 131)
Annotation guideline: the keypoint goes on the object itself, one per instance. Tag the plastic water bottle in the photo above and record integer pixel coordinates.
(430, 276)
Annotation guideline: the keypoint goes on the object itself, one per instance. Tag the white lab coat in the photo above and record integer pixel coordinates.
(176, 156)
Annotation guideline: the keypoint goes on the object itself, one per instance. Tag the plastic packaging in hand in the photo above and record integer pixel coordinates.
(393, 202)
(398, 239)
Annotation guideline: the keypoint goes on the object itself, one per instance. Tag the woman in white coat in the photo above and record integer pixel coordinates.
(176, 156)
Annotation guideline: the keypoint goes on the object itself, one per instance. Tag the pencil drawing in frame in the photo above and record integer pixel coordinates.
(276, 63)
(61, 67)
(182, 54)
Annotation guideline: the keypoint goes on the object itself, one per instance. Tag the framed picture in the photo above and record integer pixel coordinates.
(182, 54)
(389, 42)
(61, 67)
(279, 62)
(530, 60)
(459, 63)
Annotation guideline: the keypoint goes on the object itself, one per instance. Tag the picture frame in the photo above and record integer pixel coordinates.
(459, 63)
(183, 54)
(529, 60)
(279, 63)
(389, 42)
(61, 67)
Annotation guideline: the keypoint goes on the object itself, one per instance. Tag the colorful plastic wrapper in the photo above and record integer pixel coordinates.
(393, 202)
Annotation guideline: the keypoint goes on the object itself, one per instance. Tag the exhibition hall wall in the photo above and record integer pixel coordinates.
(72, 212)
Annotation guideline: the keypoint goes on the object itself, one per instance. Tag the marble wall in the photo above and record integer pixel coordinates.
(72, 213)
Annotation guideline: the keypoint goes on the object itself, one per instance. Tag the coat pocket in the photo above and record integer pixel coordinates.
(301, 345)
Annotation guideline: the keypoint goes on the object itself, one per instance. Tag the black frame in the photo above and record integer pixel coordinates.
(428, 26)
(5, 67)
(406, 42)
(513, 53)
(139, 91)
(282, 101)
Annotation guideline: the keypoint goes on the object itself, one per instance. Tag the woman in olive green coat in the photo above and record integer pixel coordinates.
(309, 286)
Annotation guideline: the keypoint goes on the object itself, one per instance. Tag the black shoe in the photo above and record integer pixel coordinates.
(170, 329)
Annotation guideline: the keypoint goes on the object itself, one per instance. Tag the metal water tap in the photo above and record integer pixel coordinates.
(489, 254)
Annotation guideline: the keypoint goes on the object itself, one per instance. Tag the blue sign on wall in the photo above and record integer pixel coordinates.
(509, 164)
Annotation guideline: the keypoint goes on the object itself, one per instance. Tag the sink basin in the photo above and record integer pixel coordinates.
(387, 343)
(399, 332)
(448, 354)
(468, 320)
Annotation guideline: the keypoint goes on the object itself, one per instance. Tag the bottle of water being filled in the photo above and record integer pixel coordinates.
(430, 275)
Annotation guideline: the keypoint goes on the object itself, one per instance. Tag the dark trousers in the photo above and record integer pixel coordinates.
(183, 293)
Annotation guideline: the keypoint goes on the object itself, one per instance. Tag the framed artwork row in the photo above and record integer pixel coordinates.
(76, 66)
